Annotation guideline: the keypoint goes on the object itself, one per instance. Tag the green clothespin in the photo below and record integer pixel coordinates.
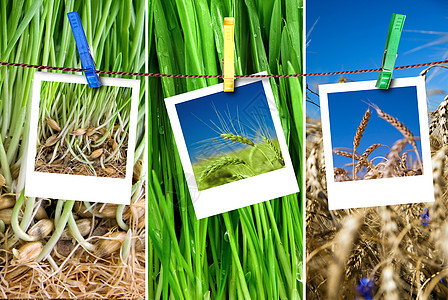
(390, 51)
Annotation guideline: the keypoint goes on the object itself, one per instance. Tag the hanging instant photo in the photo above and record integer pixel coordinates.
(81, 140)
(231, 146)
(376, 143)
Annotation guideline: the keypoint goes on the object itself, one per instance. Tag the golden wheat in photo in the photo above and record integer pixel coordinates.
(395, 163)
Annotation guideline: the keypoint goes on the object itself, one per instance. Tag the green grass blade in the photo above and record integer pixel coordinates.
(193, 62)
(163, 46)
(233, 247)
(206, 35)
(18, 32)
(260, 59)
(217, 18)
(275, 36)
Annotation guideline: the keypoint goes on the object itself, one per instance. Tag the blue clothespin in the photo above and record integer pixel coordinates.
(87, 62)
(390, 51)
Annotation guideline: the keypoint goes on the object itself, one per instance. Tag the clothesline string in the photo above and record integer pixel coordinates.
(217, 76)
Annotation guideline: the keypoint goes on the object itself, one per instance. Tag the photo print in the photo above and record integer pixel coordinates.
(80, 138)
(232, 146)
(376, 143)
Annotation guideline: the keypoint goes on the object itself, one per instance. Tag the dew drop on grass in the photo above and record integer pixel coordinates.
(158, 234)
(247, 276)
(227, 236)
(299, 271)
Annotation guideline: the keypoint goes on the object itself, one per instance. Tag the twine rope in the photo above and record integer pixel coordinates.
(218, 76)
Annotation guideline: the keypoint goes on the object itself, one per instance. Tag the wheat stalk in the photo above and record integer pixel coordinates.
(238, 138)
(363, 159)
(313, 175)
(393, 157)
(347, 154)
(433, 124)
(437, 209)
(361, 128)
(359, 132)
(341, 172)
(404, 160)
(388, 284)
(401, 128)
(344, 241)
(372, 174)
(219, 164)
(278, 154)
(441, 120)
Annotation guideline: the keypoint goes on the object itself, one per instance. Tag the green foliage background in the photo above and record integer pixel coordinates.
(254, 252)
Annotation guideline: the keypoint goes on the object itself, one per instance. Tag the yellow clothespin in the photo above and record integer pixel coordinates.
(228, 68)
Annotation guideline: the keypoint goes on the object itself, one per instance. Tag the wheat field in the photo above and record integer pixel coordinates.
(391, 252)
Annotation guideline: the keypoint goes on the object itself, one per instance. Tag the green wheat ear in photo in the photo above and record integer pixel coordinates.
(83, 131)
(230, 136)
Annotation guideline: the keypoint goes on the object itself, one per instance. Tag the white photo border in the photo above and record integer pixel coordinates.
(239, 193)
(384, 191)
(79, 187)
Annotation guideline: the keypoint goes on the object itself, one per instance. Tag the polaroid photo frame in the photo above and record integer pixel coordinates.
(339, 106)
(78, 187)
(207, 123)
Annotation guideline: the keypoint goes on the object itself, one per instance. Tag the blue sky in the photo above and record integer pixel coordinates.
(352, 35)
(346, 110)
(244, 112)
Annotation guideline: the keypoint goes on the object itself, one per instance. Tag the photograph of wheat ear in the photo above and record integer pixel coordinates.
(83, 131)
(375, 135)
(230, 136)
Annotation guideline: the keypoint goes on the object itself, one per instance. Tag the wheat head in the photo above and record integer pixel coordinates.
(238, 138)
(363, 159)
(400, 127)
(347, 154)
(278, 154)
(219, 164)
(361, 128)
